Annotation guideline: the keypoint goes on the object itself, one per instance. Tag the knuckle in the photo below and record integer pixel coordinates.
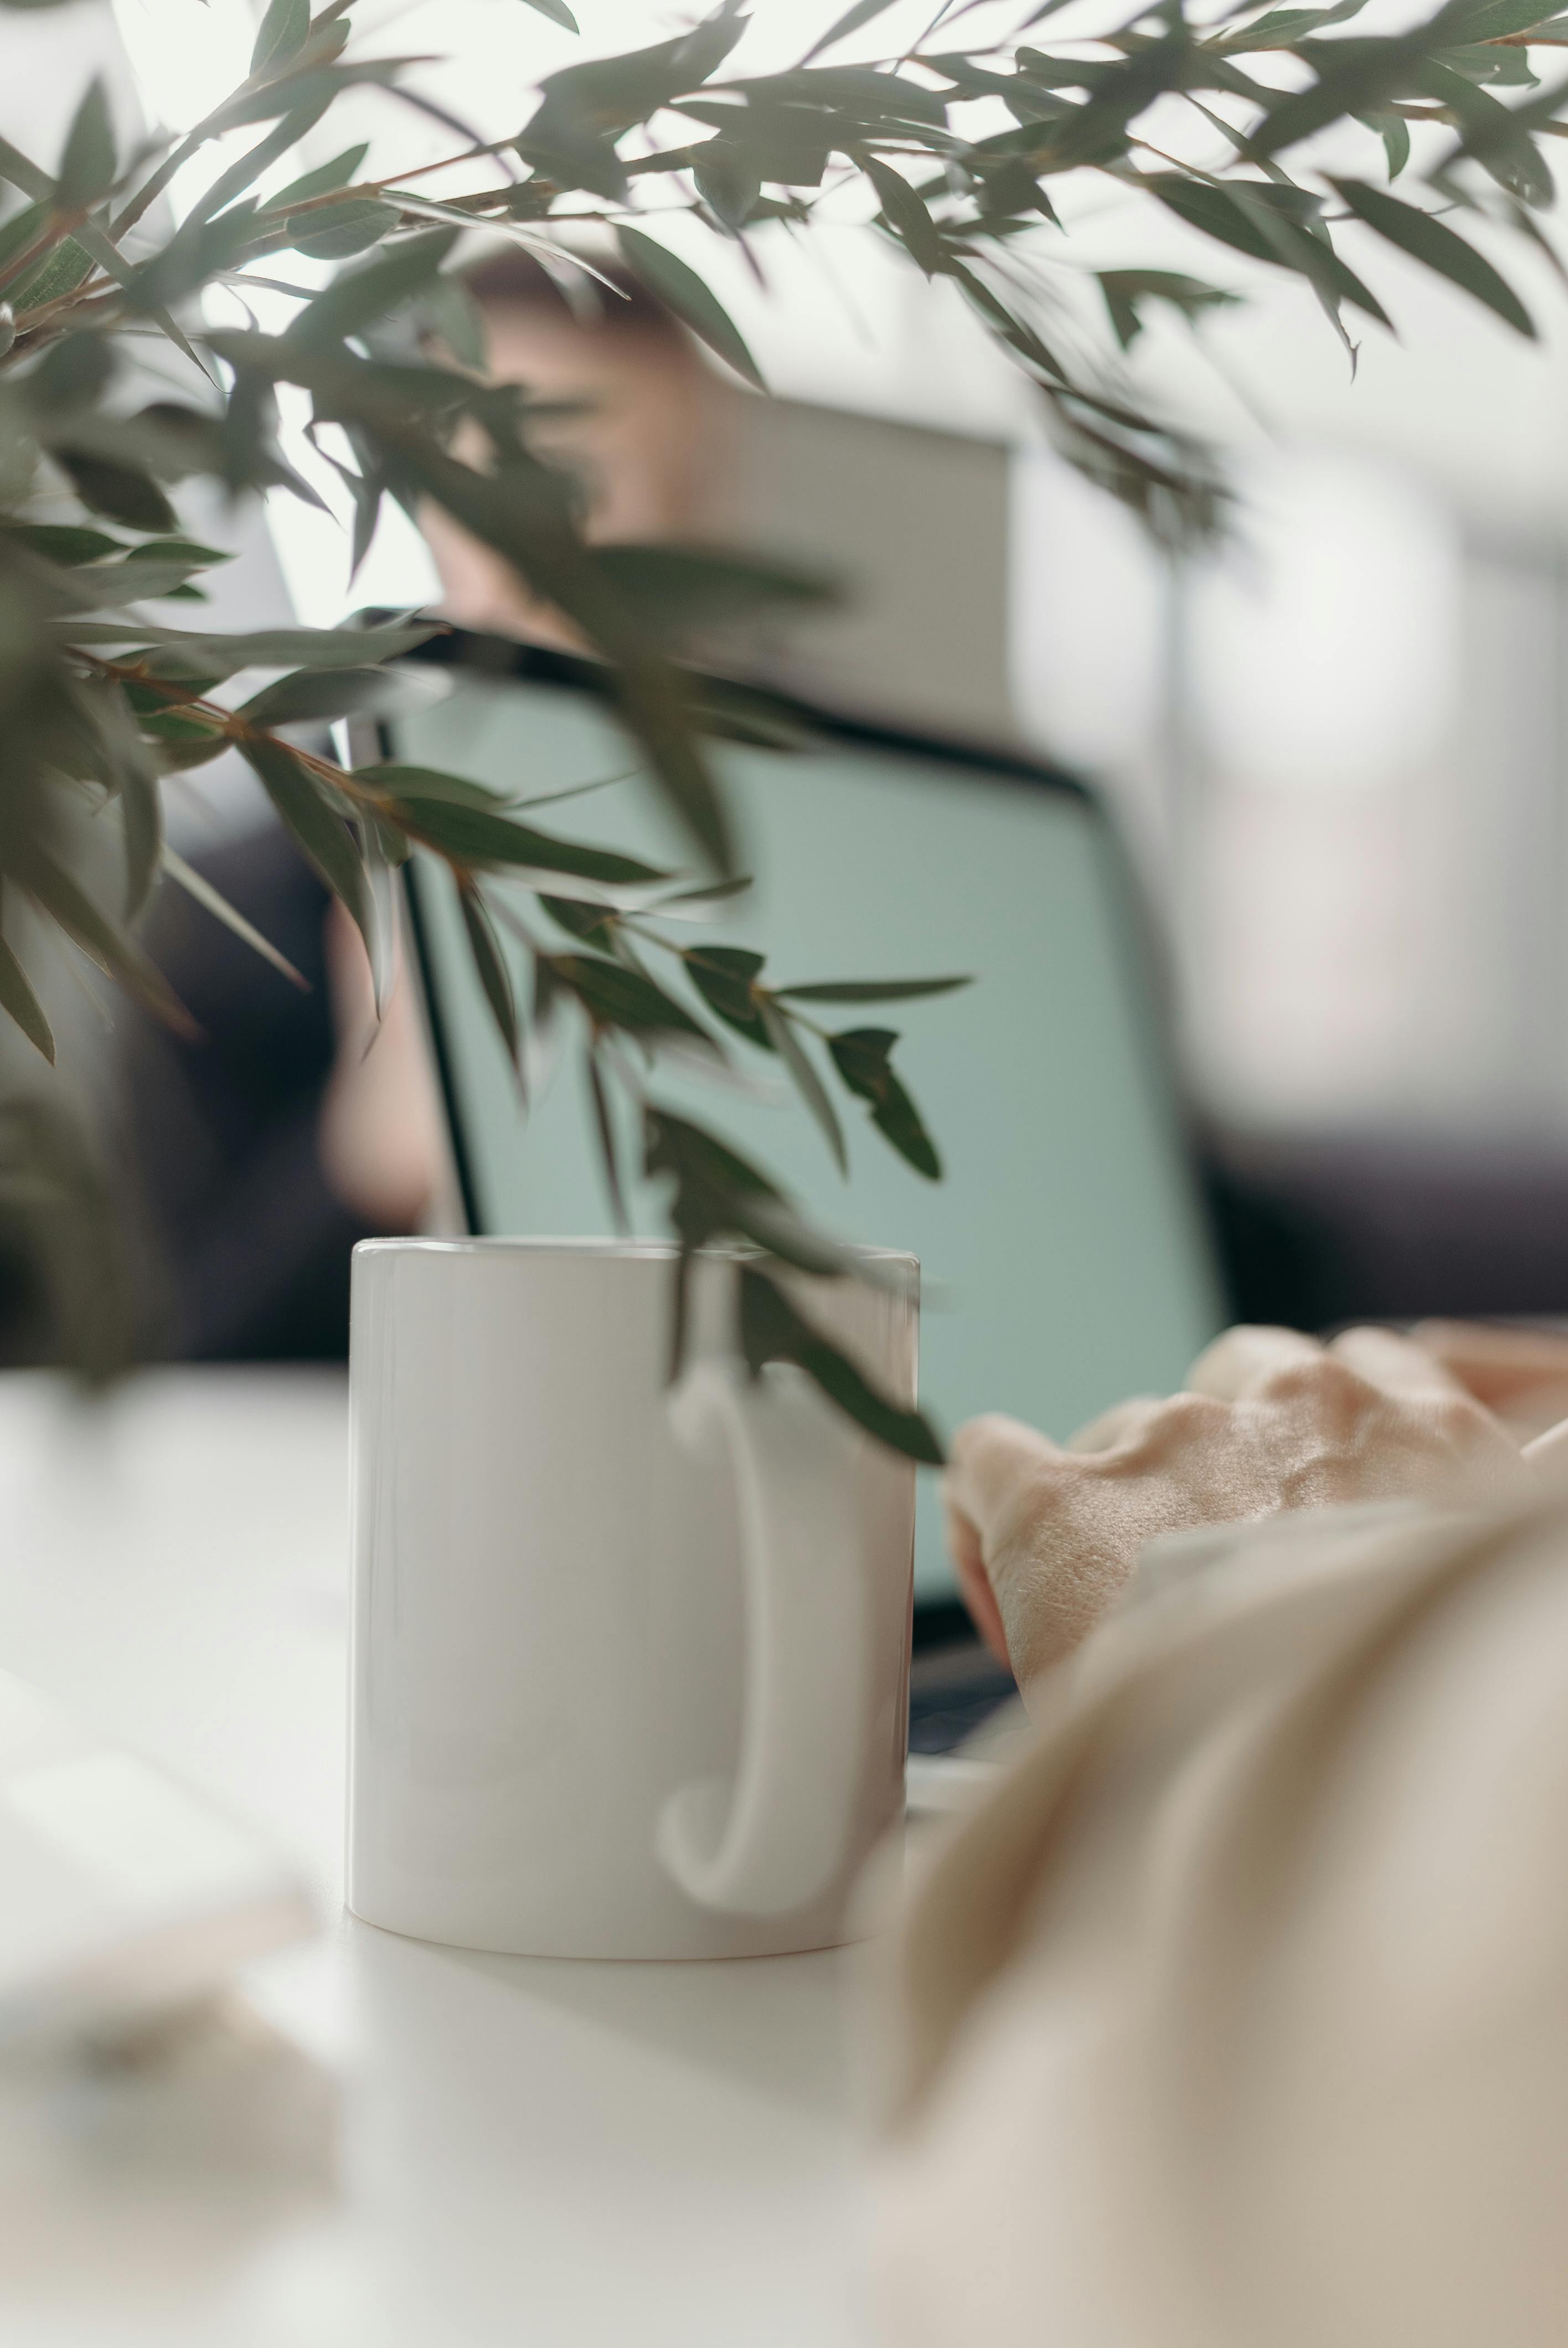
(1194, 1413)
(1322, 1384)
(1456, 1419)
(1179, 1423)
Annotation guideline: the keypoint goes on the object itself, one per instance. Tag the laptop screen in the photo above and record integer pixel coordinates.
(1065, 1259)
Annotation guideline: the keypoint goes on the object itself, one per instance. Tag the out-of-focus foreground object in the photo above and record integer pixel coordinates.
(126, 1894)
(1239, 2011)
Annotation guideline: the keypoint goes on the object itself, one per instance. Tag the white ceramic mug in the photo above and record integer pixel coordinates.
(629, 1666)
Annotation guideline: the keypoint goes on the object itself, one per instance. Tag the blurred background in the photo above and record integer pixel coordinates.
(1337, 744)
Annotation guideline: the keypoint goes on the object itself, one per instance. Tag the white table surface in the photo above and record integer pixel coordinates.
(531, 2152)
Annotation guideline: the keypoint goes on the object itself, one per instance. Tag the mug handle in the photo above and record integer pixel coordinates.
(775, 1836)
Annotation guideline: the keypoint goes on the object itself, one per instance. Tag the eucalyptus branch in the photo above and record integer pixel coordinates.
(103, 707)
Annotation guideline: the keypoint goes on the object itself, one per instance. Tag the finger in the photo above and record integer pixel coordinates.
(350, 984)
(1496, 1365)
(974, 1582)
(1244, 1359)
(1395, 1364)
(993, 1462)
(1549, 1452)
(1119, 1424)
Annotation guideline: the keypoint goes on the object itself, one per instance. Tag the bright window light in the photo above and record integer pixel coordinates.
(1325, 643)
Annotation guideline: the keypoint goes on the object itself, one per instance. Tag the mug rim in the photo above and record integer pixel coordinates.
(602, 1248)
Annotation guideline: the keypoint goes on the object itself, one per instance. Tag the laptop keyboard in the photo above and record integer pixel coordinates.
(954, 1688)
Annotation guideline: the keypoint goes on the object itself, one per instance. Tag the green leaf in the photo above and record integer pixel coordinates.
(360, 296)
(728, 184)
(177, 757)
(73, 373)
(786, 1043)
(714, 892)
(317, 827)
(338, 231)
(1124, 289)
(131, 771)
(323, 693)
(1495, 64)
(675, 586)
(861, 96)
(201, 250)
(1014, 331)
(905, 212)
(1250, 217)
(64, 543)
(850, 22)
(1491, 132)
(143, 810)
(383, 397)
(718, 1194)
(116, 956)
(60, 273)
(1281, 26)
(367, 490)
(870, 989)
(473, 836)
(562, 151)
(785, 144)
(860, 1055)
(615, 996)
(426, 783)
(522, 510)
(678, 1147)
(678, 286)
(556, 11)
(450, 313)
(180, 654)
(724, 976)
(321, 181)
(201, 891)
(1395, 133)
(1492, 20)
(315, 86)
(1429, 241)
(590, 924)
(584, 107)
(1355, 75)
(123, 495)
(173, 441)
(177, 549)
(103, 585)
(771, 1330)
(19, 230)
(18, 999)
(490, 963)
(88, 165)
(248, 168)
(605, 1129)
(284, 30)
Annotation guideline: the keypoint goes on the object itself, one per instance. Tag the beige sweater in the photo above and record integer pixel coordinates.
(1238, 2017)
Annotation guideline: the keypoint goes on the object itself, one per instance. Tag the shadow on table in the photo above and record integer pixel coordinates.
(780, 2028)
(136, 2187)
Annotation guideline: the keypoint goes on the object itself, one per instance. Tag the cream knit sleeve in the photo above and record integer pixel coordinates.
(1238, 2015)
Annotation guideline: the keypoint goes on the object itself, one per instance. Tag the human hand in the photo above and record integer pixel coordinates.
(1521, 1374)
(380, 1129)
(1045, 1537)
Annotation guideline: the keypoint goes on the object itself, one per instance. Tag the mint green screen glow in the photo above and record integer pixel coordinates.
(1064, 1261)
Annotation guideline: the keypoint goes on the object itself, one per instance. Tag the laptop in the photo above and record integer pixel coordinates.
(1066, 1258)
